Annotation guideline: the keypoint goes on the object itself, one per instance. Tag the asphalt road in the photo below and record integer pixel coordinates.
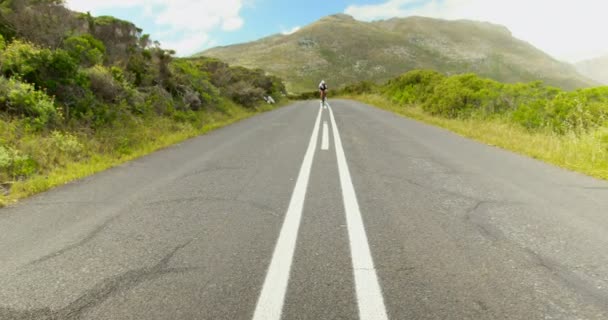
(395, 220)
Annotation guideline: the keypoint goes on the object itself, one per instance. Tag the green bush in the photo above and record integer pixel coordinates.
(85, 49)
(255, 83)
(245, 94)
(530, 115)
(104, 85)
(19, 58)
(531, 105)
(53, 71)
(14, 166)
(159, 100)
(358, 88)
(413, 87)
(577, 111)
(67, 144)
(23, 99)
(457, 96)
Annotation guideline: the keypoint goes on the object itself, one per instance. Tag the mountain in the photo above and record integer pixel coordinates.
(343, 50)
(596, 69)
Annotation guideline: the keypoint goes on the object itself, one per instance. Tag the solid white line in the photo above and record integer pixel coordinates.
(270, 302)
(369, 294)
(325, 139)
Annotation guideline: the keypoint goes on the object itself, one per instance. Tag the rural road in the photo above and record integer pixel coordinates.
(348, 212)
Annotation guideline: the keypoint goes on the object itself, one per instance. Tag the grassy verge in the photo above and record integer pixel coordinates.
(109, 147)
(585, 153)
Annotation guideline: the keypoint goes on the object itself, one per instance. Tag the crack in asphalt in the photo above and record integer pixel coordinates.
(557, 270)
(486, 229)
(101, 292)
(212, 169)
(73, 246)
(569, 278)
(254, 204)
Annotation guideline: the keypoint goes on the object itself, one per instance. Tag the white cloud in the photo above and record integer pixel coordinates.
(188, 21)
(187, 44)
(291, 31)
(568, 30)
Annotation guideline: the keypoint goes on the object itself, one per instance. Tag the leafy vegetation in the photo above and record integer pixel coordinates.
(84, 93)
(343, 51)
(567, 128)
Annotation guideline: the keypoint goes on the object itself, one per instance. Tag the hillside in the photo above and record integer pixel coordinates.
(596, 69)
(79, 94)
(343, 50)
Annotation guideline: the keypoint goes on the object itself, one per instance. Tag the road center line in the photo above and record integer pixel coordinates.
(272, 297)
(369, 294)
(325, 139)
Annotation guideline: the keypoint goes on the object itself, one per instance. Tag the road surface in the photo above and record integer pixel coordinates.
(347, 212)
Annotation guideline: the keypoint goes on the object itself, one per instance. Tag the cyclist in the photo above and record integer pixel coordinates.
(323, 90)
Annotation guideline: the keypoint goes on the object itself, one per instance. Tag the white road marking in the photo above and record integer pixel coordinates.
(369, 293)
(272, 297)
(325, 139)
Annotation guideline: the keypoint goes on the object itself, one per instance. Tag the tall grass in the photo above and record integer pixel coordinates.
(106, 148)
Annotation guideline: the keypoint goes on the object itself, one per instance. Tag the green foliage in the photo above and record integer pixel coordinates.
(243, 86)
(358, 88)
(104, 84)
(413, 87)
(244, 93)
(52, 70)
(459, 95)
(14, 165)
(23, 99)
(85, 49)
(67, 143)
(68, 99)
(531, 105)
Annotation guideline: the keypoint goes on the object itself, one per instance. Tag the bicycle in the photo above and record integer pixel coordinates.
(323, 98)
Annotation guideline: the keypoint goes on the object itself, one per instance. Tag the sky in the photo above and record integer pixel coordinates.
(566, 29)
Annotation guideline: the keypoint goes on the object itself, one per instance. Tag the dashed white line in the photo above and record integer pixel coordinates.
(272, 297)
(369, 294)
(325, 139)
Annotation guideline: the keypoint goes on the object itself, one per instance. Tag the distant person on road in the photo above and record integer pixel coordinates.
(323, 90)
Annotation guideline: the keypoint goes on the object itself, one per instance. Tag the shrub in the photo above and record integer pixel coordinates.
(53, 71)
(574, 111)
(85, 49)
(530, 115)
(159, 100)
(358, 88)
(19, 58)
(23, 99)
(104, 85)
(67, 144)
(454, 96)
(413, 87)
(15, 166)
(532, 105)
(245, 94)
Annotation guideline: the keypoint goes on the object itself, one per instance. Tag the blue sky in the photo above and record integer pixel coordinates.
(569, 30)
